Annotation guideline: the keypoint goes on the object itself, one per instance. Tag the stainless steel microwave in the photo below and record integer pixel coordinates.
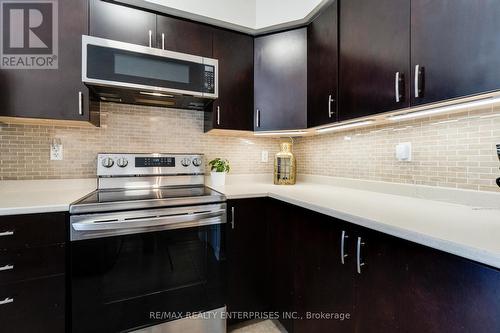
(134, 74)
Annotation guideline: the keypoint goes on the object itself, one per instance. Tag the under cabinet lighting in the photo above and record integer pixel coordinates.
(443, 109)
(345, 126)
(290, 133)
(156, 94)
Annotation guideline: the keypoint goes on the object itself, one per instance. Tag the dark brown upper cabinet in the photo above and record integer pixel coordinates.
(322, 67)
(52, 93)
(121, 23)
(456, 46)
(234, 107)
(374, 57)
(281, 81)
(183, 36)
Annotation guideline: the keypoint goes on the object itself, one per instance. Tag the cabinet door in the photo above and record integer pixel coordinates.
(281, 81)
(234, 107)
(52, 93)
(184, 36)
(456, 45)
(323, 282)
(281, 262)
(124, 24)
(446, 293)
(246, 256)
(375, 46)
(379, 283)
(322, 67)
(34, 306)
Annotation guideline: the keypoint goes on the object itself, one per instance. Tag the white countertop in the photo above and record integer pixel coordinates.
(42, 196)
(465, 223)
(469, 231)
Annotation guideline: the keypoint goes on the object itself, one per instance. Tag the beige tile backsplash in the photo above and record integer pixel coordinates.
(24, 149)
(455, 151)
(452, 151)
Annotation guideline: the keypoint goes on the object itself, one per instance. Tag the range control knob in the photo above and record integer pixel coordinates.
(108, 162)
(197, 161)
(122, 162)
(186, 162)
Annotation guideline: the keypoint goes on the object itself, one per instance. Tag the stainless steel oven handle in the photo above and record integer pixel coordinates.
(93, 225)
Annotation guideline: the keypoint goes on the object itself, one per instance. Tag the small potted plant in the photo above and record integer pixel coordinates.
(218, 167)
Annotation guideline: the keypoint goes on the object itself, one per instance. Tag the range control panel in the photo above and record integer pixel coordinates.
(109, 165)
(165, 162)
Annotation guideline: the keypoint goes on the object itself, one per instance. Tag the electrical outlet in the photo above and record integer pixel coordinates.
(264, 156)
(56, 151)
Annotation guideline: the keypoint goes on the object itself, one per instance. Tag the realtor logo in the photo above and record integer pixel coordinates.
(29, 38)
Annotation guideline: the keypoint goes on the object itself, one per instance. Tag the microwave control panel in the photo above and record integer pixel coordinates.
(209, 78)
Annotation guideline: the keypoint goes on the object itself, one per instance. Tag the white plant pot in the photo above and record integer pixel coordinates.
(218, 178)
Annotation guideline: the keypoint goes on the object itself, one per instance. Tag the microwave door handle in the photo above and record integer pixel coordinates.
(95, 225)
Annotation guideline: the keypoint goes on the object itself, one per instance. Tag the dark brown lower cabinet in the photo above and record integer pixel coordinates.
(282, 224)
(32, 275)
(33, 306)
(446, 293)
(324, 285)
(400, 286)
(246, 257)
(379, 274)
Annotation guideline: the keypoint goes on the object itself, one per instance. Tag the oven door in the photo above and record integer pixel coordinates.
(123, 65)
(149, 274)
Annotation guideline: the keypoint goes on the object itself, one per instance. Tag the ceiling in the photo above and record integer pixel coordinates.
(249, 16)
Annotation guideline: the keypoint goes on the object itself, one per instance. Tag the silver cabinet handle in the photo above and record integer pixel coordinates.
(218, 115)
(232, 217)
(358, 255)
(343, 255)
(7, 233)
(417, 69)
(7, 268)
(330, 101)
(80, 103)
(419, 80)
(257, 121)
(397, 80)
(163, 41)
(150, 38)
(7, 301)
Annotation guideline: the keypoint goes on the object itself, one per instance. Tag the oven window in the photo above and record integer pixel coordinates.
(133, 65)
(117, 282)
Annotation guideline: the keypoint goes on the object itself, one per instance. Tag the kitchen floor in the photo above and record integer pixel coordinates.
(258, 326)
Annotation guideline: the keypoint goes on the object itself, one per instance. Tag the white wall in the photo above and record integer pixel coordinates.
(240, 12)
(275, 12)
(246, 15)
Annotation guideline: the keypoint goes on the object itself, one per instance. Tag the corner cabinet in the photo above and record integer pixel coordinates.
(233, 109)
(322, 67)
(280, 81)
(52, 93)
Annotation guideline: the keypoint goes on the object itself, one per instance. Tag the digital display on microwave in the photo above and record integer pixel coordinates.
(158, 69)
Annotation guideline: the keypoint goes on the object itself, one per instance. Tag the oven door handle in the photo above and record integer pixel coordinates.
(211, 217)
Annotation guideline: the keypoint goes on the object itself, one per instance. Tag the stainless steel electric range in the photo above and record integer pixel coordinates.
(148, 248)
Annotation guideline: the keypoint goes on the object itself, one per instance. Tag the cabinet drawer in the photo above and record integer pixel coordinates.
(33, 306)
(17, 265)
(32, 230)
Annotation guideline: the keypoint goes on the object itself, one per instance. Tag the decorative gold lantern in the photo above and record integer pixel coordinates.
(284, 165)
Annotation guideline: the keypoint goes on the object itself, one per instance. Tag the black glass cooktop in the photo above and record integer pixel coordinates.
(145, 198)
